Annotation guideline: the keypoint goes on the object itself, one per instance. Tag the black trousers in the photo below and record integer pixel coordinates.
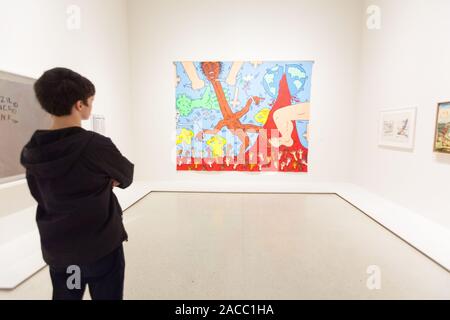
(105, 279)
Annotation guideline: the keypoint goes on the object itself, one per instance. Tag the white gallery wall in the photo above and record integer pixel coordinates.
(35, 37)
(326, 31)
(406, 63)
(127, 48)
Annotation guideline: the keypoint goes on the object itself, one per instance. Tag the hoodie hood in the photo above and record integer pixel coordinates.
(52, 153)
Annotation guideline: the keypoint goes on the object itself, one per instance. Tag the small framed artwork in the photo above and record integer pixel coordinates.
(397, 128)
(442, 133)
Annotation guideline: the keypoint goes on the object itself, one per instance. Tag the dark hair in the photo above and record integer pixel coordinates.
(58, 89)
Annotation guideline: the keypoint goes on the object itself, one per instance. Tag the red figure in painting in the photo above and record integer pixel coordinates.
(292, 158)
(230, 119)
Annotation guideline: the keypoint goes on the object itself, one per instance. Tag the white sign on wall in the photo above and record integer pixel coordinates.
(98, 124)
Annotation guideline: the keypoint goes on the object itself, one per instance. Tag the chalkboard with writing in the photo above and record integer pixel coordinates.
(20, 116)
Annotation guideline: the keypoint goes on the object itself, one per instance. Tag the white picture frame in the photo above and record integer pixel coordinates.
(397, 128)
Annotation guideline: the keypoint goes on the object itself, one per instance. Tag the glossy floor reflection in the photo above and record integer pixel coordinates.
(261, 246)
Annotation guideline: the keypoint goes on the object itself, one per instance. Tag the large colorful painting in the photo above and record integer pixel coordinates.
(442, 136)
(243, 116)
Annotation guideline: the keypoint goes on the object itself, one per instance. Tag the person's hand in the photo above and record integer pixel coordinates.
(115, 183)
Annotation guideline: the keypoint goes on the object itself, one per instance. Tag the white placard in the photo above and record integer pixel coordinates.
(98, 123)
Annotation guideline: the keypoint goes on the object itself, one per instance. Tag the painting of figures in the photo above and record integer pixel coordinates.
(442, 135)
(243, 115)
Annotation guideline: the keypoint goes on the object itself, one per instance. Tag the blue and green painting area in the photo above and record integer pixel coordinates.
(199, 109)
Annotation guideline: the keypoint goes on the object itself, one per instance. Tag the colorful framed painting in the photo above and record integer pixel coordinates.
(243, 115)
(442, 134)
(397, 128)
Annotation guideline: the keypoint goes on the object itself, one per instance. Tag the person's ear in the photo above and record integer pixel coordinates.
(78, 106)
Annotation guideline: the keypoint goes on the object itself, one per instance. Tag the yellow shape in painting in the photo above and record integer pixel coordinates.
(261, 117)
(185, 136)
(216, 144)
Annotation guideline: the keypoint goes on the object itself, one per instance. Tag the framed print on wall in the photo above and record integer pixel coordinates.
(397, 128)
(442, 131)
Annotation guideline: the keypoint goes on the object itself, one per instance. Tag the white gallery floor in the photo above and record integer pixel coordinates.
(261, 246)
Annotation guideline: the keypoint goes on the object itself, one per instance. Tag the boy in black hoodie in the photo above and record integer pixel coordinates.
(71, 173)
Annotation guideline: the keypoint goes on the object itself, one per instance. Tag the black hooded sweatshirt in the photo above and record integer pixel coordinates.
(69, 173)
